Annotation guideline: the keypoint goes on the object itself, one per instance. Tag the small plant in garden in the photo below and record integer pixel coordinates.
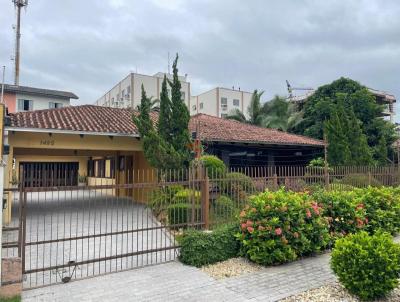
(278, 227)
(214, 166)
(367, 266)
(199, 248)
(162, 197)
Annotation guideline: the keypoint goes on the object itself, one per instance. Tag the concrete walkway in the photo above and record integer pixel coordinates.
(176, 282)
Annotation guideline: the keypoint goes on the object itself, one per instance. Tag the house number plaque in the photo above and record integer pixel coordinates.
(47, 142)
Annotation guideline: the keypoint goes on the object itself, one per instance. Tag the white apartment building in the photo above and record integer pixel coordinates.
(127, 93)
(220, 101)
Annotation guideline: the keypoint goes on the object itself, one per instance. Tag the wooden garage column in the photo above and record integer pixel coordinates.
(8, 171)
(116, 173)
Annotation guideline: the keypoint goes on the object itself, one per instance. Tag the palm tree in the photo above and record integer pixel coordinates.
(277, 113)
(254, 111)
(280, 114)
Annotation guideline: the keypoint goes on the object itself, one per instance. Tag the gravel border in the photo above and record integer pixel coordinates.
(230, 268)
(335, 293)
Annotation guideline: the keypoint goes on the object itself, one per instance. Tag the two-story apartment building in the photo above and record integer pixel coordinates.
(220, 101)
(127, 92)
(23, 98)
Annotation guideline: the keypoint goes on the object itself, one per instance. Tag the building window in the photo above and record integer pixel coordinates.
(182, 95)
(128, 89)
(236, 102)
(25, 105)
(194, 107)
(123, 94)
(201, 105)
(224, 104)
(53, 105)
(101, 168)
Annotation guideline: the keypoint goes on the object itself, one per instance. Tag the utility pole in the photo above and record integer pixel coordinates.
(18, 5)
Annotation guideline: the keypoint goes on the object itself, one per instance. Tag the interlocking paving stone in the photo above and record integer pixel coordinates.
(177, 282)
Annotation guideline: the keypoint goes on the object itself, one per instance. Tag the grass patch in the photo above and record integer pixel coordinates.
(12, 299)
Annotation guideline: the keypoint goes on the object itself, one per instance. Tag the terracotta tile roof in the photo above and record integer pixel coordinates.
(91, 118)
(211, 128)
(86, 118)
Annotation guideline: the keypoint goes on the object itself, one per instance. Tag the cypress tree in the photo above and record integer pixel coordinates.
(164, 121)
(382, 151)
(361, 153)
(338, 148)
(179, 116)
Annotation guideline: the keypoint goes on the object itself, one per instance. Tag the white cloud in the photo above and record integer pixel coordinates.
(87, 46)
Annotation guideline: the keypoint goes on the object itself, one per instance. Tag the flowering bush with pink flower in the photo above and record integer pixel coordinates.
(278, 227)
(344, 210)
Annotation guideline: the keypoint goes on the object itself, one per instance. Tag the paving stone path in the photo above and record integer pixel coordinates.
(176, 282)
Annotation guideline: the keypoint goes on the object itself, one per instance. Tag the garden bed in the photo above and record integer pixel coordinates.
(231, 268)
(335, 293)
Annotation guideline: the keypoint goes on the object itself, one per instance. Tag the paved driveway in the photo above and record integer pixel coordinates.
(176, 282)
(59, 215)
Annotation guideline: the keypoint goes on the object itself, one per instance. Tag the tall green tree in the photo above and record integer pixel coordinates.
(320, 106)
(338, 149)
(381, 151)
(164, 120)
(165, 149)
(180, 116)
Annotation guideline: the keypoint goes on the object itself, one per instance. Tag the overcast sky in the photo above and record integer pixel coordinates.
(88, 46)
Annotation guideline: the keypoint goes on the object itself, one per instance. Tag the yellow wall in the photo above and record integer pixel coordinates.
(96, 181)
(72, 141)
(42, 147)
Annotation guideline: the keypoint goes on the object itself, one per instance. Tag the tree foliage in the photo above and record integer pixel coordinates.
(165, 146)
(277, 113)
(352, 109)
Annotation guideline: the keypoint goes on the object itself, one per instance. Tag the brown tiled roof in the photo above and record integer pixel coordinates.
(86, 118)
(91, 118)
(211, 128)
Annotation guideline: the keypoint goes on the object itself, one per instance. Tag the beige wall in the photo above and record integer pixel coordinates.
(152, 85)
(212, 101)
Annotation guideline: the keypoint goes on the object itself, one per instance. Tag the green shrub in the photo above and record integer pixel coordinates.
(200, 248)
(367, 266)
(344, 209)
(162, 197)
(187, 196)
(215, 167)
(360, 180)
(181, 214)
(277, 227)
(235, 181)
(223, 206)
(382, 207)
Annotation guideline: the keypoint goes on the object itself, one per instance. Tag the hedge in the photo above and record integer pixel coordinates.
(199, 248)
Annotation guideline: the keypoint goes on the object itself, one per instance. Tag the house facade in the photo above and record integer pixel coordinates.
(102, 145)
(23, 98)
(127, 92)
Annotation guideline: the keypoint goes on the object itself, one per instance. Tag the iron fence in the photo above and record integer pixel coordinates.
(69, 232)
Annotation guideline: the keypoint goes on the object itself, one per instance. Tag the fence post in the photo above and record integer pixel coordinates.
(369, 178)
(275, 181)
(205, 199)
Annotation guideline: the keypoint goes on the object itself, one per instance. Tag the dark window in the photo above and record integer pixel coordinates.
(25, 105)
